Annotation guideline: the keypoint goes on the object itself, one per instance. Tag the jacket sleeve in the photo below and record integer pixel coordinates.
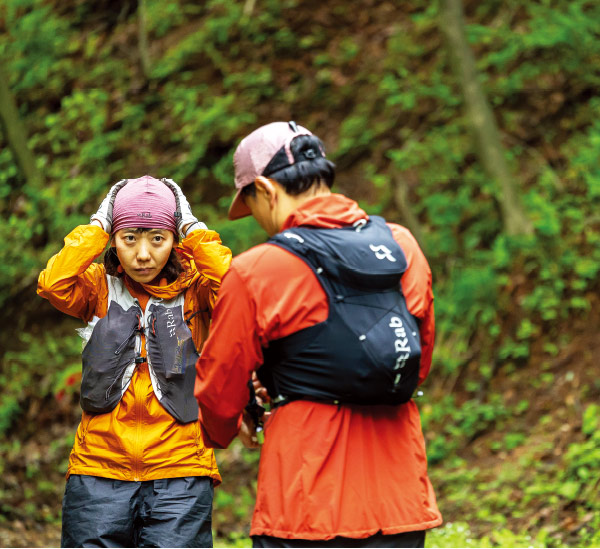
(212, 261)
(417, 288)
(232, 351)
(71, 281)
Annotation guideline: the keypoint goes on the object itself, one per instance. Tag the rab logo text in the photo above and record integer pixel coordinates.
(382, 252)
(145, 215)
(170, 322)
(401, 346)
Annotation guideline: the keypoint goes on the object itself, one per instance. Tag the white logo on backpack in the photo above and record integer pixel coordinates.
(401, 343)
(382, 252)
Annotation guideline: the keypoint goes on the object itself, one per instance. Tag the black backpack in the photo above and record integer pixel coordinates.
(368, 350)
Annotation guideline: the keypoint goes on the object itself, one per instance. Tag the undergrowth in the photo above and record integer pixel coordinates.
(377, 87)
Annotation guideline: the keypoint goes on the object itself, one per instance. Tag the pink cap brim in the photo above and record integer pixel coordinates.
(238, 208)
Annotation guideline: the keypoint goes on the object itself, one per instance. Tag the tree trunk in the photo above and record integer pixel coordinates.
(248, 8)
(143, 39)
(15, 133)
(481, 117)
(401, 200)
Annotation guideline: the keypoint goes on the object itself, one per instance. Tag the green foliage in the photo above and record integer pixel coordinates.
(33, 33)
(456, 423)
(582, 461)
(458, 534)
(37, 369)
(392, 110)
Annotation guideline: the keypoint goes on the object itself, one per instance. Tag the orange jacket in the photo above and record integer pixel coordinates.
(325, 470)
(139, 439)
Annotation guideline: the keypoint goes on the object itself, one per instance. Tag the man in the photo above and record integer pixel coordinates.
(340, 466)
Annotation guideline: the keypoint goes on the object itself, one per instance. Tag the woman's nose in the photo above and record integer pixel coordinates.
(143, 251)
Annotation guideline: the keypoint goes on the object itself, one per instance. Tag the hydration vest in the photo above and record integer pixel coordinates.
(114, 348)
(368, 349)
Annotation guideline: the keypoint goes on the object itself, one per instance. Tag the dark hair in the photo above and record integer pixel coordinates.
(310, 167)
(171, 271)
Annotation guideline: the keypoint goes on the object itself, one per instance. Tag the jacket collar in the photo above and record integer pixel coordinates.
(328, 211)
(170, 291)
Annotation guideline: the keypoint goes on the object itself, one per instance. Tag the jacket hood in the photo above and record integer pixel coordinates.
(327, 211)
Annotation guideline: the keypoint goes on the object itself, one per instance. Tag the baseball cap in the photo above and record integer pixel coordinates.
(263, 152)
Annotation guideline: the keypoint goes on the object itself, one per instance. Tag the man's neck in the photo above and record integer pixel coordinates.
(290, 203)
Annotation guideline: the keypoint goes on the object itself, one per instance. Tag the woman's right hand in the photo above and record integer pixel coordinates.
(104, 215)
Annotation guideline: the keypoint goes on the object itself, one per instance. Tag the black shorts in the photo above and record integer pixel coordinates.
(406, 539)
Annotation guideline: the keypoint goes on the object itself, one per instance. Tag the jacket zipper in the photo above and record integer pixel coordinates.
(139, 404)
(138, 400)
(137, 449)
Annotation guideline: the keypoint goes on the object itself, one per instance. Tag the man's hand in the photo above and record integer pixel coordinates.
(247, 432)
(261, 392)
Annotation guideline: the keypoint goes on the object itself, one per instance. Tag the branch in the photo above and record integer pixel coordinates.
(16, 134)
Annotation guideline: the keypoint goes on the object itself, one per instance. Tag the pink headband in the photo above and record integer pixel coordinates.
(144, 202)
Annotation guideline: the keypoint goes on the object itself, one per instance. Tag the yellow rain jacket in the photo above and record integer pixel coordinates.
(138, 440)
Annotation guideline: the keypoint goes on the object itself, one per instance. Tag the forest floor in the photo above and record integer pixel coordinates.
(533, 473)
(19, 534)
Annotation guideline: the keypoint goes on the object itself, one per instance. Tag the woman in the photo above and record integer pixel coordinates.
(139, 473)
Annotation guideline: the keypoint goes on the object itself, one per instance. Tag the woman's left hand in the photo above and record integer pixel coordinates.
(186, 220)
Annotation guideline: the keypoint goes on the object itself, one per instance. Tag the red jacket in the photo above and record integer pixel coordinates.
(325, 470)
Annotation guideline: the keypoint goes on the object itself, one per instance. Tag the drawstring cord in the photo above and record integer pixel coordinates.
(188, 320)
(135, 329)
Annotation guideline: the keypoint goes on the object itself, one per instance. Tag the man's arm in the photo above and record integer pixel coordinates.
(427, 333)
(231, 353)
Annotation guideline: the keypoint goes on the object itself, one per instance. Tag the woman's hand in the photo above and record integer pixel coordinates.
(104, 215)
(186, 221)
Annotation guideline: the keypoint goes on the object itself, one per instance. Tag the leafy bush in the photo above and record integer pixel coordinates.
(379, 90)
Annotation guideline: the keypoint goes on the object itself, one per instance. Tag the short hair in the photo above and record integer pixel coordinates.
(171, 271)
(310, 168)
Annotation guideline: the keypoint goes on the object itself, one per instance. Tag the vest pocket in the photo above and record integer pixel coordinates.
(106, 357)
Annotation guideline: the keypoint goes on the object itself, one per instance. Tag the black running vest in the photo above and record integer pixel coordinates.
(113, 349)
(368, 350)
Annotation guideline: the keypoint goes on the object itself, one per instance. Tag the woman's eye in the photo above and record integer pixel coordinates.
(158, 239)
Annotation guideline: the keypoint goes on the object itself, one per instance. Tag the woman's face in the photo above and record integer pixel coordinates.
(143, 254)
